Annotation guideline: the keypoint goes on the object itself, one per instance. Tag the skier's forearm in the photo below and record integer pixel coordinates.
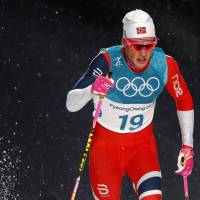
(78, 98)
(186, 120)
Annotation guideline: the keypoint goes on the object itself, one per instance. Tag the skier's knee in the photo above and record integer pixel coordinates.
(149, 186)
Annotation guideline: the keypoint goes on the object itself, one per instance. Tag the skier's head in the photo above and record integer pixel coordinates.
(138, 24)
(139, 38)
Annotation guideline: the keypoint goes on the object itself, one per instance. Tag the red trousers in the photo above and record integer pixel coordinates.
(112, 155)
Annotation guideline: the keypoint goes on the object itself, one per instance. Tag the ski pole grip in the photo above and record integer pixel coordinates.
(108, 75)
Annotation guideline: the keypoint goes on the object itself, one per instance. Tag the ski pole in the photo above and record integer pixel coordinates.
(84, 157)
(89, 141)
(185, 182)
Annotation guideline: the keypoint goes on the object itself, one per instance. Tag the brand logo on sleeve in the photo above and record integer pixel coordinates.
(176, 85)
(97, 72)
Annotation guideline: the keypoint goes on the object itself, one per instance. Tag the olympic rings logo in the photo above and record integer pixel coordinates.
(137, 85)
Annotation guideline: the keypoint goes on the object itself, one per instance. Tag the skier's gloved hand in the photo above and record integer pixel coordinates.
(102, 85)
(185, 161)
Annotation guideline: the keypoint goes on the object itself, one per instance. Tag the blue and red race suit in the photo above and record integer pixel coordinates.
(124, 141)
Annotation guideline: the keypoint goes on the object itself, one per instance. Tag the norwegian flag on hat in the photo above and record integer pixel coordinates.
(141, 30)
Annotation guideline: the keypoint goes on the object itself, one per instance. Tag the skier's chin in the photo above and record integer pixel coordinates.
(141, 62)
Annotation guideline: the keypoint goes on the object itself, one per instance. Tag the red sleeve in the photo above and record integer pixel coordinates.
(177, 87)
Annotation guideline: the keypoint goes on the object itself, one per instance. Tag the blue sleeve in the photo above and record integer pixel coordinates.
(98, 66)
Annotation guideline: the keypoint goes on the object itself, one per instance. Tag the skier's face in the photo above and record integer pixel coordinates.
(138, 51)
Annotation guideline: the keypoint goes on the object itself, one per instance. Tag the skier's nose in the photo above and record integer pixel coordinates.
(143, 51)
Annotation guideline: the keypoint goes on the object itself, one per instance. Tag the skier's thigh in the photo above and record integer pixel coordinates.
(105, 171)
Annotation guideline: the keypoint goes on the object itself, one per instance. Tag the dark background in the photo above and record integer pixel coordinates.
(45, 46)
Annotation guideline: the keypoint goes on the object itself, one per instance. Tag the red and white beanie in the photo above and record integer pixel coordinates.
(138, 24)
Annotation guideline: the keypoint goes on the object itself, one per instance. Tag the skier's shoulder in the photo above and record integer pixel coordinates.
(173, 67)
(100, 63)
(104, 55)
(112, 49)
(101, 58)
(170, 60)
(172, 64)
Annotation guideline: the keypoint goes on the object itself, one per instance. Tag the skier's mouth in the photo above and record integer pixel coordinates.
(141, 60)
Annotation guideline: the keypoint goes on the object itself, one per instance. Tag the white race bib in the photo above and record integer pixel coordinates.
(125, 118)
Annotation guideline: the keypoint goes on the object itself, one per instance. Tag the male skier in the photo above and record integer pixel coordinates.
(123, 141)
